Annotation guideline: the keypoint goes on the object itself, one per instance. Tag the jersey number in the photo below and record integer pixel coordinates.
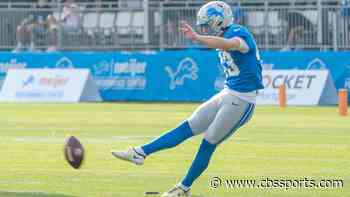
(231, 69)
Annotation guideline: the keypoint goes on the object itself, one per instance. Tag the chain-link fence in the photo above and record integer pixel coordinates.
(154, 25)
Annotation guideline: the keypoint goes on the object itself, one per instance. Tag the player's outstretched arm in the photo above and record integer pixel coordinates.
(216, 42)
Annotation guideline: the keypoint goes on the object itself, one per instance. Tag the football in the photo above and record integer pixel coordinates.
(74, 152)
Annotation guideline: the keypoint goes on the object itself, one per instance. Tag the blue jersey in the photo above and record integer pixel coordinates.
(243, 70)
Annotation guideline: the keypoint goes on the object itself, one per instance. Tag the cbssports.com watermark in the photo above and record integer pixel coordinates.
(268, 183)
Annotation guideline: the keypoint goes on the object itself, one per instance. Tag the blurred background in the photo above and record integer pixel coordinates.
(130, 46)
(153, 24)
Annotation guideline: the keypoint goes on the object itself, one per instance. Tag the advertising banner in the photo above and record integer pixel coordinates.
(49, 85)
(178, 75)
(303, 87)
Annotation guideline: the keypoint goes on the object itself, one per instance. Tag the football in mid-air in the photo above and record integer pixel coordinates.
(74, 152)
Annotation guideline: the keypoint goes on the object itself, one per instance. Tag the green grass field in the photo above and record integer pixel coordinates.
(292, 143)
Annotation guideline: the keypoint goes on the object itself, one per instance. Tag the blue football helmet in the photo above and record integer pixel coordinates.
(214, 17)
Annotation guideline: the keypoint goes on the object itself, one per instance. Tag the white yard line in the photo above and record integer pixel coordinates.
(133, 137)
(54, 139)
(31, 182)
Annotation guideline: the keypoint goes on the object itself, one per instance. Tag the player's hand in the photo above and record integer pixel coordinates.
(188, 31)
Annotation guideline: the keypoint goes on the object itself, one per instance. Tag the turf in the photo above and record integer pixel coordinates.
(292, 143)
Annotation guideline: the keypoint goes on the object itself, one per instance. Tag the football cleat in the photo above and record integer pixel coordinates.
(130, 155)
(177, 191)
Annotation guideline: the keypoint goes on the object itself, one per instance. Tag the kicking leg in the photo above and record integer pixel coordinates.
(168, 140)
(196, 124)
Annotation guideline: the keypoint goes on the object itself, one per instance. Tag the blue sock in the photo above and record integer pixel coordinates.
(200, 163)
(169, 139)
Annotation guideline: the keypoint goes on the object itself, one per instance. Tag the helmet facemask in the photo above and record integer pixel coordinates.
(205, 30)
